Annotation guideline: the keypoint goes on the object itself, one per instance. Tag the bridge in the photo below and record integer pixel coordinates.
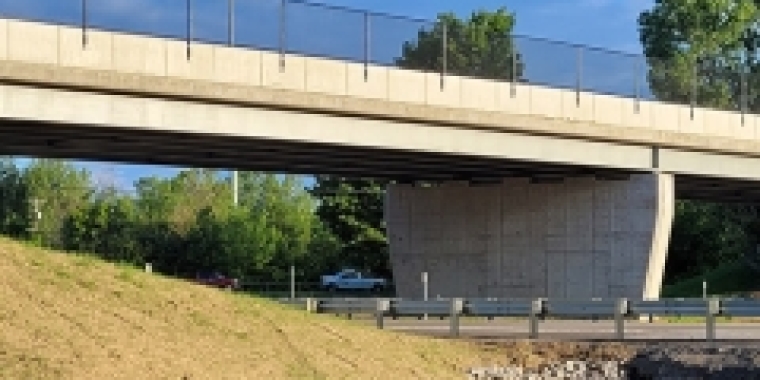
(537, 191)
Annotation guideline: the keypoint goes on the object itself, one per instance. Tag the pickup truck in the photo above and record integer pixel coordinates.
(349, 279)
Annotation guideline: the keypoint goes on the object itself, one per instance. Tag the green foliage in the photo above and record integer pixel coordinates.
(481, 46)
(15, 218)
(728, 278)
(57, 190)
(705, 236)
(701, 49)
(352, 209)
(181, 225)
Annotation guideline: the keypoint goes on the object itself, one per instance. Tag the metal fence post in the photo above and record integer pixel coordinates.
(231, 22)
(189, 31)
(743, 83)
(713, 309)
(513, 84)
(621, 310)
(383, 307)
(84, 23)
(637, 86)
(445, 54)
(536, 310)
(579, 77)
(366, 45)
(694, 88)
(457, 306)
(283, 19)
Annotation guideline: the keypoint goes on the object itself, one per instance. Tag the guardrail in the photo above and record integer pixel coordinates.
(534, 309)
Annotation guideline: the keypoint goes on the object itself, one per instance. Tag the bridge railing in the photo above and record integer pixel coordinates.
(302, 27)
(535, 309)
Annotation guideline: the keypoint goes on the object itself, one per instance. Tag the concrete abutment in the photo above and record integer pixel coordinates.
(580, 238)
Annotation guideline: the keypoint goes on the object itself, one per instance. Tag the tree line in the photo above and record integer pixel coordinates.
(182, 225)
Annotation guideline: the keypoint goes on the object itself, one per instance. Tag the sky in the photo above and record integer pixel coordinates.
(608, 24)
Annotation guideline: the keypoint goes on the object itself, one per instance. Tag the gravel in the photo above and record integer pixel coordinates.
(543, 360)
(696, 362)
(566, 370)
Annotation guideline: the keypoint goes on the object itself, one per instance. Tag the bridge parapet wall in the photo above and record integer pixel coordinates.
(209, 71)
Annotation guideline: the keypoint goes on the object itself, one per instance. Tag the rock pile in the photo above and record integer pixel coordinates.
(650, 362)
(696, 361)
(566, 370)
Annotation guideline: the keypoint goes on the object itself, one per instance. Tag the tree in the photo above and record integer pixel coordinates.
(705, 50)
(15, 212)
(481, 46)
(352, 209)
(107, 226)
(57, 190)
(287, 208)
(705, 235)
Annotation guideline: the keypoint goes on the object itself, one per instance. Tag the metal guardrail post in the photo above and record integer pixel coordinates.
(621, 310)
(425, 284)
(537, 308)
(457, 306)
(312, 305)
(383, 307)
(713, 309)
(293, 281)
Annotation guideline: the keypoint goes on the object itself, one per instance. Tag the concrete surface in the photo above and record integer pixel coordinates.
(582, 238)
(50, 55)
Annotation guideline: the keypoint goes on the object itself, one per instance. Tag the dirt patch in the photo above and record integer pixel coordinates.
(532, 354)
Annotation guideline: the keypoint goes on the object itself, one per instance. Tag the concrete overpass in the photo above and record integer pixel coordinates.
(577, 189)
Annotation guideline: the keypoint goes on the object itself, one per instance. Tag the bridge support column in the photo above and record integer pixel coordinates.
(580, 238)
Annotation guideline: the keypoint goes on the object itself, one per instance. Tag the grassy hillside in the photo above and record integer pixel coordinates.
(729, 278)
(69, 316)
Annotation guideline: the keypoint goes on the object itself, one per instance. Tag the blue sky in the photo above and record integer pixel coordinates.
(609, 24)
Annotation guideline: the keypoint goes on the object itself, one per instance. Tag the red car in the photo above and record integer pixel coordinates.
(219, 281)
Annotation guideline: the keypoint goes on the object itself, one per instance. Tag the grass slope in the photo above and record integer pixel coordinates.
(732, 278)
(73, 316)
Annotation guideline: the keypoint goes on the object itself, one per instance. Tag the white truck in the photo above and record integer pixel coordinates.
(349, 279)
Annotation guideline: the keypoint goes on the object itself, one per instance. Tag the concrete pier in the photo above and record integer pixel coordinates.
(580, 238)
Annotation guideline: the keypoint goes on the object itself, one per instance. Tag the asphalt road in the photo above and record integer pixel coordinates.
(580, 330)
